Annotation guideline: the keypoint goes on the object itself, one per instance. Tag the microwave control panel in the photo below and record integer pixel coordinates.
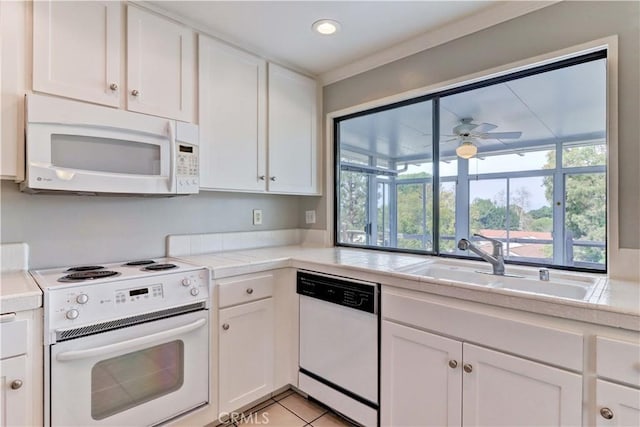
(187, 169)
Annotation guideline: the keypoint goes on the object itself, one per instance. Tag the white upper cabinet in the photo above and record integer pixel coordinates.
(232, 109)
(160, 66)
(14, 69)
(238, 101)
(77, 53)
(293, 140)
(77, 50)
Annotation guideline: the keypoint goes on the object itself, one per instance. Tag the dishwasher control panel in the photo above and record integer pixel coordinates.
(357, 295)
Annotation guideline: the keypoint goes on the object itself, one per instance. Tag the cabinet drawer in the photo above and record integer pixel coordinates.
(14, 338)
(618, 360)
(241, 289)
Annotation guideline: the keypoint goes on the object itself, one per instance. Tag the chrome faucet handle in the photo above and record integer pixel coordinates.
(497, 244)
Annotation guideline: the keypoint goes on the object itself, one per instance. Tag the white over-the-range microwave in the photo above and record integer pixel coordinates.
(83, 148)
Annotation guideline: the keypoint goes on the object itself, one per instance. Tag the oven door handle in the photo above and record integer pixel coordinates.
(123, 345)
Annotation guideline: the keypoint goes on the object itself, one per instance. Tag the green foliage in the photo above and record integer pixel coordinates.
(353, 204)
(585, 204)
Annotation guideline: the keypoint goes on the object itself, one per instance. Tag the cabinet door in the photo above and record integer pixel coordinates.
(622, 402)
(13, 393)
(246, 340)
(503, 390)
(419, 387)
(14, 66)
(76, 49)
(293, 148)
(160, 66)
(232, 99)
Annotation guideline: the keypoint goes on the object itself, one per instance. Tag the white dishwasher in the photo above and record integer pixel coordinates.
(339, 350)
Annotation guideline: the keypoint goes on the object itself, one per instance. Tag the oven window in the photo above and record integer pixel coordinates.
(105, 155)
(132, 379)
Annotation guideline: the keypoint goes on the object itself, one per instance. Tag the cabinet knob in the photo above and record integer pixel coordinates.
(273, 178)
(261, 177)
(249, 291)
(467, 368)
(453, 364)
(606, 413)
(113, 86)
(225, 326)
(16, 384)
(135, 92)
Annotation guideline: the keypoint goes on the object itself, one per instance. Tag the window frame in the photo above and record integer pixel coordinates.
(559, 172)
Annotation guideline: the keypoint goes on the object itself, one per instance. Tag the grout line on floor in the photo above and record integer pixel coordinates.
(292, 412)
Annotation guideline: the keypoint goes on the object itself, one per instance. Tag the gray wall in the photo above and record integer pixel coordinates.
(68, 229)
(555, 27)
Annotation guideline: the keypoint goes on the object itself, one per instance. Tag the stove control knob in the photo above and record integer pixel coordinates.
(72, 314)
(186, 282)
(82, 299)
(195, 291)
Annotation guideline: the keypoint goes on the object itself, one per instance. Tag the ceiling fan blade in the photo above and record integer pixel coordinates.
(452, 139)
(499, 135)
(485, 127)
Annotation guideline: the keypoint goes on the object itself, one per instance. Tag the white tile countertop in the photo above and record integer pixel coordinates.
(18, 292)
(612, 303)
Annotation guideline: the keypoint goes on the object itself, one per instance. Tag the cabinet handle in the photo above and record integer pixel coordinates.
(453, 364)
(249, 291)
(16, 384)
(135, 92)
(273, 178)
(606, 413)
(467, 368)
(261, 177)
(225, 326)
(113, 86)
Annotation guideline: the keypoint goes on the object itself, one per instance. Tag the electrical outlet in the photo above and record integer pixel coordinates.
(310, 217)
(257, 216)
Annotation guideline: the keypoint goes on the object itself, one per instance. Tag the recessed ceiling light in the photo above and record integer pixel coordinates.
(326, 27)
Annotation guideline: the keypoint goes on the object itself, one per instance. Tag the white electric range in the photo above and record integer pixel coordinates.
(126, 343)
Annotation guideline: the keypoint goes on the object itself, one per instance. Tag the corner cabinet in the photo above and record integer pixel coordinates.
(78, 52)
(258, 124)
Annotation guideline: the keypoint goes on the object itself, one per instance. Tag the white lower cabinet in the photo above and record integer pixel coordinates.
(430, 380)
(14, 394)
(618, 360)
(618, 405)
(503, 390)
(418, 386)
(246, 350)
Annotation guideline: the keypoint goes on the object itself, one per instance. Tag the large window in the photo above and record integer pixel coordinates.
(520, 158)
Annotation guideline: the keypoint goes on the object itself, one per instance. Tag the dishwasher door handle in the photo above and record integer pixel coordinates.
(123, 345)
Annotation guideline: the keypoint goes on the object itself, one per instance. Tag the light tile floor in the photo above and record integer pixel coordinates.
(289, 409)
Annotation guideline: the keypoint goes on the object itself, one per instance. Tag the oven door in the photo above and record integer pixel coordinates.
(135, 376)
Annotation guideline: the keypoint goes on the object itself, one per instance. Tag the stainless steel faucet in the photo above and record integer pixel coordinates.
(496, 259)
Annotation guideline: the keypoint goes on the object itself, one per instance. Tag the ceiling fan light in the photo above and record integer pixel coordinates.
(466, 150)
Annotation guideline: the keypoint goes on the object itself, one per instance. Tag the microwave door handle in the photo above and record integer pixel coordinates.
(123, 345)
(173, 180)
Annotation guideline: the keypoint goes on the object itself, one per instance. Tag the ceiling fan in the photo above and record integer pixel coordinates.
(467, 132)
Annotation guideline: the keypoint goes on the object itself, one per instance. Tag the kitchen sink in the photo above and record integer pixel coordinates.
(560, 285)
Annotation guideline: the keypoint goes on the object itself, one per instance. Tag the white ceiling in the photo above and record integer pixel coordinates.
(281, 30)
